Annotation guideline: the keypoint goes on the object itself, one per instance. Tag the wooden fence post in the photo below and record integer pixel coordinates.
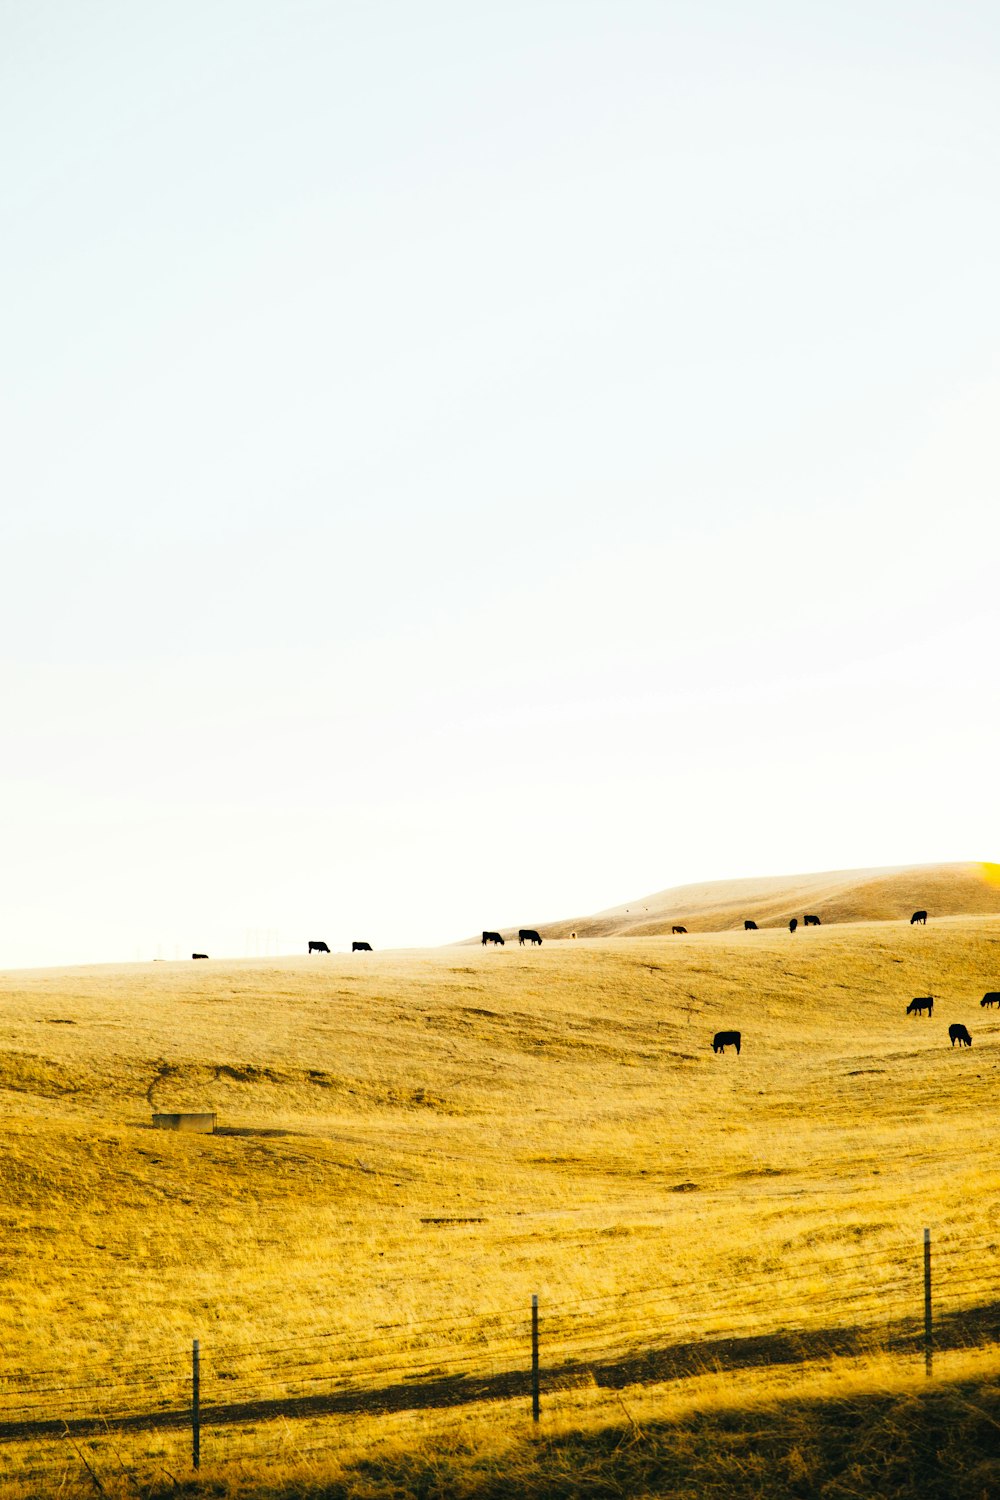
(928, 1319)
(535, 1404)
(196, 1406)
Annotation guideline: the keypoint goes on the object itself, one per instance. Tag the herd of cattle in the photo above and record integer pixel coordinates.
(529, 935)
(811, 920)
(922, 1005)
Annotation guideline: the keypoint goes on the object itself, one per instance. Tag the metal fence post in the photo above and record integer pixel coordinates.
(535, 1404)
(196, 1406)
(928, 1318)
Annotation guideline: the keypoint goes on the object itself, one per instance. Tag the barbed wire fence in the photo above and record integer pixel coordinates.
(935, 1300)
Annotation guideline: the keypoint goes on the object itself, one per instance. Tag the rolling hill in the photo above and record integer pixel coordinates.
(410, 1145)
(874, 895)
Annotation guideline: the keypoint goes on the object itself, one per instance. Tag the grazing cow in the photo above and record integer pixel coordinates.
(361, 947)
(492, 937)
(681, 929)
(919, 916)
(723, 1039)
(793, 924)
(958, 1034)
(318, 948)
(810, 919)
(199, 955)
(749, 926)
(921, 1004)
(529, 935)
(992, 997)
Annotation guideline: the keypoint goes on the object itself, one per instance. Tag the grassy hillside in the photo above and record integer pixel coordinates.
(411, 1144)
(833, 895)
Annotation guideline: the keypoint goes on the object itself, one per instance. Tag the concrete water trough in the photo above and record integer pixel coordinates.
(203, 1123)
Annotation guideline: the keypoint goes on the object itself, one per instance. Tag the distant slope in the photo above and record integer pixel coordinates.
(834, 895)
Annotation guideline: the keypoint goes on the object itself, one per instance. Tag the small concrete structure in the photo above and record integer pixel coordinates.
(205, 1124)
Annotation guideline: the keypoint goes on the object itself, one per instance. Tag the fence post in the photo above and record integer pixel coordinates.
(928, 1320)
(196, 1406)
(535, 1405)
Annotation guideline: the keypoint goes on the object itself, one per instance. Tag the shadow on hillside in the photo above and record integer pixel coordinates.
(970, 1328)
(937, 1443)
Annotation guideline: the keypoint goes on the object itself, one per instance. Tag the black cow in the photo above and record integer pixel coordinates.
(723, 1039)
(199, 955)
(749, 926)
(680, 929)
(921, 1004)
(492, 937)
(919, 916)
(361, 947)
(958, 1034)
(529, 935)
(793, 924)
(811, 920)
(318, 948)
(992, 997)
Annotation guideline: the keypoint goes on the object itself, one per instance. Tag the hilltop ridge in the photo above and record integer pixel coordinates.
(884, 894)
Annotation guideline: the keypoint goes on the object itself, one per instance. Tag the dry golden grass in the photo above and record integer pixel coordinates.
(833, 895)
(860, 1428)
(413, 1143)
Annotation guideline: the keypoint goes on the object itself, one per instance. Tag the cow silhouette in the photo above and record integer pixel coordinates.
(959, 1034)
(318, 948)
(919, 916)
(992, 997)
(793, 924)
(810, 919)
(361, 947)
(492, 937)
(749, 926)
(199, 955)
(529, 935)
(920, 1004)
(680, 929)
(723, 1039)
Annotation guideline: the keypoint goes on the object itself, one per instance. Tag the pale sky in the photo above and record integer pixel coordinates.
(471, 464)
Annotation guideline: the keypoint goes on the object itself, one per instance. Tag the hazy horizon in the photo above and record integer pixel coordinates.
(465, 466)
(264, 943)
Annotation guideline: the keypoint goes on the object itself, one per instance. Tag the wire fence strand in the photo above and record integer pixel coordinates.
(844, 1302)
